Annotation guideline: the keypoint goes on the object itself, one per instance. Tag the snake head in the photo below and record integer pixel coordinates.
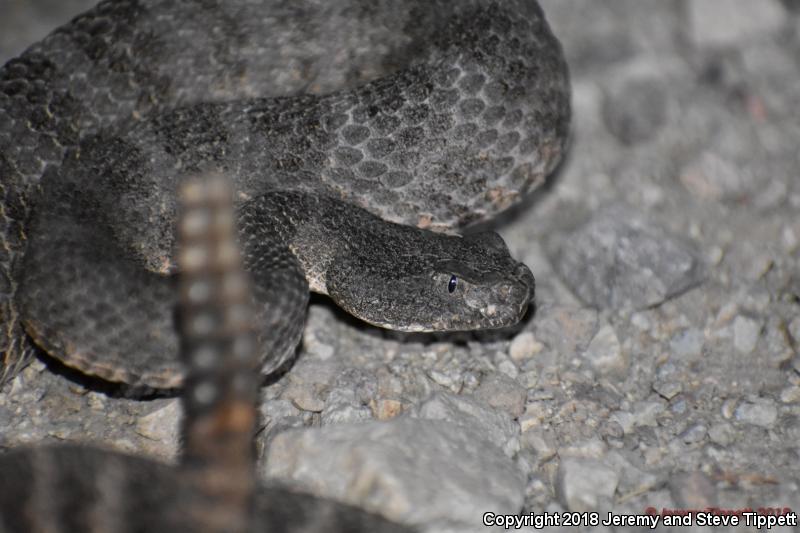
(425, 281)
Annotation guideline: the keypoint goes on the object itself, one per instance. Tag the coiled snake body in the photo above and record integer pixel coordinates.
(351, 130)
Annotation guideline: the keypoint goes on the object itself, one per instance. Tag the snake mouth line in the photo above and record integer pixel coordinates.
(500, 322)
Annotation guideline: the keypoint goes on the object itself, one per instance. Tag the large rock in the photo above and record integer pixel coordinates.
(472, 414)
(411, 470)
(619, 259)
(729, 22)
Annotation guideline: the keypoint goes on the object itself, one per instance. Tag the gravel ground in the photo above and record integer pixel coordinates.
(660, 368)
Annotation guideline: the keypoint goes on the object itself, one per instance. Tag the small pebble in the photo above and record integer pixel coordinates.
(790, 394)
(585, 484)
(386, 408)
(668, 389)
(794, 329)
(746, 332)
(678, 406)
(728, 408)
(96, 401)
(789, 238)
(687, 344)
(715, 255)
(535, 413)
(647, 413)
(343, 406)
(524, 346)
(604, 352)
(611, 429)
(721, 433)
(640, 321)
(345, 414)
(161, 428)
(761, 412)
(694, 434)
(507, 367)
(540, 441)
(450, 379)
(502, 392)
(592, 448)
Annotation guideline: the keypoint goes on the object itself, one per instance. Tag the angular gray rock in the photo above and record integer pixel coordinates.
(758, 412)
(412, 470)
(746, 331)
(619, 259)
(161, 428)
(605, 354)
(472, 414)
(687, 344)
(501, 392)
(585, 484)
(524, 346)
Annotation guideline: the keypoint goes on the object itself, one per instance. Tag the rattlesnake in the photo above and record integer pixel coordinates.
(351, 130)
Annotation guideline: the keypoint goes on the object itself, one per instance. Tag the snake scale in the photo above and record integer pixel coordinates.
(358, 134)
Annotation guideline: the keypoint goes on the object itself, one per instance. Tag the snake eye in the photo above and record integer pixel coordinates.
(451, 285)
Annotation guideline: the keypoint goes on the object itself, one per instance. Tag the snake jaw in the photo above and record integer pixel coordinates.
(418, 281)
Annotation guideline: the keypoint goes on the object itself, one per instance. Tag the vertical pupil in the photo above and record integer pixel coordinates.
(451, 286)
